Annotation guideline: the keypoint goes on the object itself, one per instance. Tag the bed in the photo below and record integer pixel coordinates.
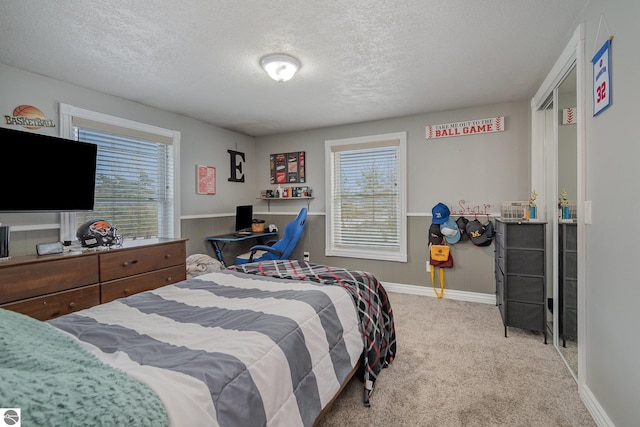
(268, 343)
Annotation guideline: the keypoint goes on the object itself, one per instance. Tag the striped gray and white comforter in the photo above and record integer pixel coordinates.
(230, 349)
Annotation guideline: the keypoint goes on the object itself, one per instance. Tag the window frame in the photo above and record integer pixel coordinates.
(396, 139)
(67, 114)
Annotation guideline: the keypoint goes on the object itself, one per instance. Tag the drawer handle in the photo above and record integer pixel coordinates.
(167, 256)
(126, 291)
(72, 305)
(168, 278)
(126, 264)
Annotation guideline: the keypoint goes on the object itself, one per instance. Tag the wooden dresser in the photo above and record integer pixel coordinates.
(48, 286)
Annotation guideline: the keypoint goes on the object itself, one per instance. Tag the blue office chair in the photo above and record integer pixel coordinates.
(278, 249)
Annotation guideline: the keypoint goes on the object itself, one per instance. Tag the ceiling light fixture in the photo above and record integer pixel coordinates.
(280, 67)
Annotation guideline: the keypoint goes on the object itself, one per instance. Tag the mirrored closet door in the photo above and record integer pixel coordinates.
(560, 141)
(558, 169)
(567, 238)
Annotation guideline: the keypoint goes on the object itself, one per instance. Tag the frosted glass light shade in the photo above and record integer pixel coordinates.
(280, 67)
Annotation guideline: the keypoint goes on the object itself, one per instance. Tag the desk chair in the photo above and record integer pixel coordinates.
(280, 249)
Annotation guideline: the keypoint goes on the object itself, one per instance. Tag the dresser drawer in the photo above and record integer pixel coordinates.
(570, 265)
(569, 232)
(570, 323)
(500, 291)
(120, 264)
(525, 316)
(524, 262)
(143, 282)
(529, 235)
(499, 256)
(570, 293)
(525, 289)
(29, 280)
(57, 304)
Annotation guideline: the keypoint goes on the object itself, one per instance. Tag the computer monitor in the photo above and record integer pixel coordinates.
(244, 217)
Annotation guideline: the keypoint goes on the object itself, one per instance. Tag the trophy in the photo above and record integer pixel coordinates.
(532, 205)
(564, 205)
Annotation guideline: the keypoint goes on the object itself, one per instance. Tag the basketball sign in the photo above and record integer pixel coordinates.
(28, 117)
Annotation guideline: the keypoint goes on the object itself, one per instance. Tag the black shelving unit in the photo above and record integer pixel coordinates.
(568, 281)
(520, 272)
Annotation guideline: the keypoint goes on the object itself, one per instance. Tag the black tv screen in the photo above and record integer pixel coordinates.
(46, 173)
(244, 217)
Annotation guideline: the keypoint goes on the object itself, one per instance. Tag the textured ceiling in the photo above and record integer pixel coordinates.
(361, 60)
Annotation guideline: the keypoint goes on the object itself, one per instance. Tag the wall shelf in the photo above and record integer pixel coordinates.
(269, 199)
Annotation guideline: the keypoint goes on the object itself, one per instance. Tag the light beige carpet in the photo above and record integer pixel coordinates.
(454, 367)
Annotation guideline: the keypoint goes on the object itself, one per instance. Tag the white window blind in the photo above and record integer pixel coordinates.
(365, 201)
(134, 182)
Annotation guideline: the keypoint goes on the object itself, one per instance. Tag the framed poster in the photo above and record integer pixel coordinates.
(286, 168)
(205, 179)
(602, 79)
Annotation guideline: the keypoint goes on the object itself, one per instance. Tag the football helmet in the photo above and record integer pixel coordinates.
(97, 232)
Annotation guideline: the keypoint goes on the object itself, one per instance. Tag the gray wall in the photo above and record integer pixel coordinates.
(200, 144)
(612, 371)
(463, 172)
(479, 169)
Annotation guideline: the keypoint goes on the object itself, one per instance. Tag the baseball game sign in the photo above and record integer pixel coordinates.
(470, 127)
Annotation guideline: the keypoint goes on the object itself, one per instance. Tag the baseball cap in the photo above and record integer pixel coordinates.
(435, 236)
(489, 230)
(450, 230)
(462, 225)
(476, 230)
(487, 236)
(440, 213)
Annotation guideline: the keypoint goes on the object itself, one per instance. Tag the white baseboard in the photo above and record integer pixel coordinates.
(597, 412)
(448, 293)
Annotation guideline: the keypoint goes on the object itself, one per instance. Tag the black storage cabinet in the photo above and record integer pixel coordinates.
(568, 282)
(520, 271)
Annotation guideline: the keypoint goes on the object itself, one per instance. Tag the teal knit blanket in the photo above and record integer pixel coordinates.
(55, 382)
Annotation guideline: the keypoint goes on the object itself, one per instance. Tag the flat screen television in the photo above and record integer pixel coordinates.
(46, 173)
(244, 217)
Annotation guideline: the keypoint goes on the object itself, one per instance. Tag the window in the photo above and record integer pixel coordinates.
(366, 197)
(135, 176)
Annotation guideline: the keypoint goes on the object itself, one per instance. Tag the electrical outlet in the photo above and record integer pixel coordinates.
(306, 256)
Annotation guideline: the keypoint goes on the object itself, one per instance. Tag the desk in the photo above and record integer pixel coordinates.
(219, 242)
